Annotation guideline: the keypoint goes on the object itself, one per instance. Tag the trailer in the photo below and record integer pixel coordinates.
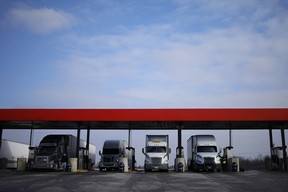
(11, 151)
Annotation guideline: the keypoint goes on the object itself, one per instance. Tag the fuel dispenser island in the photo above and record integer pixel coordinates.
(229, 162)
(277, 158)
(179, 165)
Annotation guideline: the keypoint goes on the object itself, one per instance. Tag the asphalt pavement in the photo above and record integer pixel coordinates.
(11, 181)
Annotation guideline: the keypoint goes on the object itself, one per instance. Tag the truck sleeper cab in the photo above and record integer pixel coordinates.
(202, 153)
(112, 155)
(52, 149)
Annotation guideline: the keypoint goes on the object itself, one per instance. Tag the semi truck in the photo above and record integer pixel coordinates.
(52, 148)
(202, 153)
(112, 156)
(156, 153)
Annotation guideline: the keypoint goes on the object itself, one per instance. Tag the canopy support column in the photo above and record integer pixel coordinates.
(179, 160)
(230, 138)
(1, 132)
(31, 135)
(180, 148)
(88, 138)
(86, 157)
(284, 149)
(129, 138)
(271, 141)
(78, 145)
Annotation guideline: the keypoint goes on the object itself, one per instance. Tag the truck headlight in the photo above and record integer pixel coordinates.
(217, 160)
(199, 159)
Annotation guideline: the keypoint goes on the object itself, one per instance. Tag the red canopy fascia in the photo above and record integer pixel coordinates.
(204, 114)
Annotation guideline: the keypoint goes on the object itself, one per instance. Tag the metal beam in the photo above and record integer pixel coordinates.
(179, 128)
(230, 138)
(31, 135)
(271, 141)
(78, 145)
(129, 138)
(87, 147)
(284, 149)
(1, 132)
(148, 125)
(230, 134)
(88, 138)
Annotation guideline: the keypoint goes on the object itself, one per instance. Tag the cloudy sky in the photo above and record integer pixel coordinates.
(144, 54)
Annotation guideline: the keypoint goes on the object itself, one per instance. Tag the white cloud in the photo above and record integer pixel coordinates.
(158, 65)
(40, 21)
(224, 68)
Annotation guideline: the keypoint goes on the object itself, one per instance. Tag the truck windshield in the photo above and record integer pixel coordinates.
(110, 151)
(206, 149)
(47, 149)
(155, 149)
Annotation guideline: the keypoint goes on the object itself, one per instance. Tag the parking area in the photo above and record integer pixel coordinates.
(140, 181)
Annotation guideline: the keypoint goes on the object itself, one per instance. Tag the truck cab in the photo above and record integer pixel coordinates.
(202, 153)
(50, 151)
(156, 153)
(112, 155)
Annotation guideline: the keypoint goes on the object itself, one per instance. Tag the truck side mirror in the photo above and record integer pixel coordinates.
(169, 151)
(143, 150)
(100, 153)
(220, 150)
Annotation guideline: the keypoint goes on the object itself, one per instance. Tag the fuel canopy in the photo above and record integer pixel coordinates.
(150, 119)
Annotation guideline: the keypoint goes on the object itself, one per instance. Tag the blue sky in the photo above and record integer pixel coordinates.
(143, 54)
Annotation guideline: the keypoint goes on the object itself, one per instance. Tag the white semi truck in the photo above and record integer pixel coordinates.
(202, 153)
(156, 153)
(112, 156)
(52, 148)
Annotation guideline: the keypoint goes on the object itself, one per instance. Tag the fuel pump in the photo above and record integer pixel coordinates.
(277, 158)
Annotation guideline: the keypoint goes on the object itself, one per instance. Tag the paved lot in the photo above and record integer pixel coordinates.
(140, 181)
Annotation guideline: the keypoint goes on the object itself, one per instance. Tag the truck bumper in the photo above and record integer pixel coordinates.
(45, 166)
(161, 167)
(206, 166)
(114, 166)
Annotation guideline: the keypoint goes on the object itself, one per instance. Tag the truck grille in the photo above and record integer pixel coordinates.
(209, 160)
(41, 160)
(108, 159)
(156, 161)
